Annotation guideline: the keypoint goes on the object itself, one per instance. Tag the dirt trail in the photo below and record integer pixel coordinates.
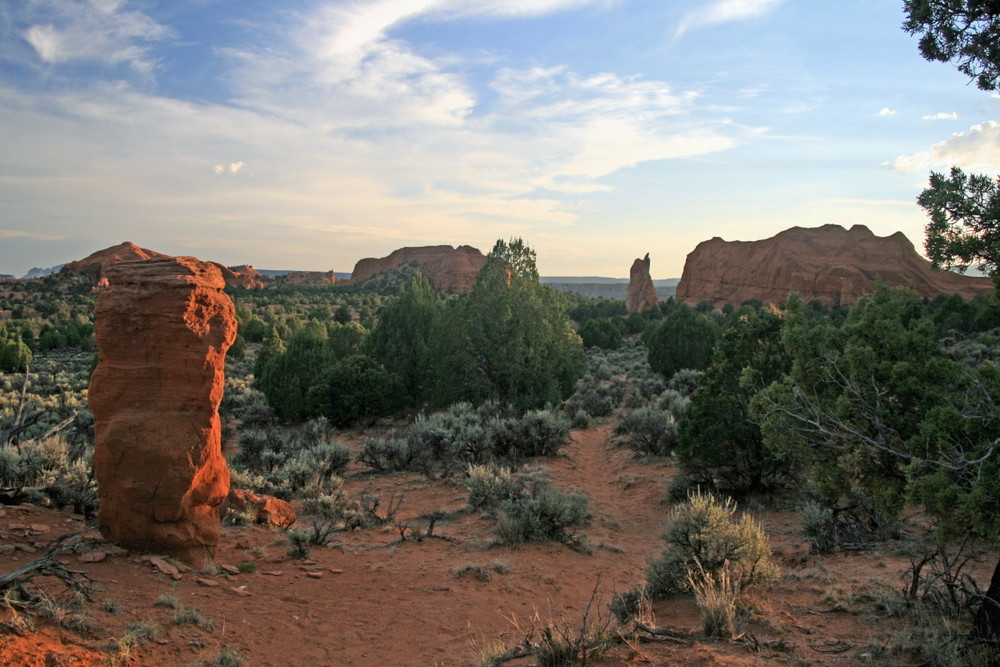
(373, 600)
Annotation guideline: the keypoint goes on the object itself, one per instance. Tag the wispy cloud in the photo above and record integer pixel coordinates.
(724, 11)
(941, 116)
(978, 150)
(886, 111)
(105, 31)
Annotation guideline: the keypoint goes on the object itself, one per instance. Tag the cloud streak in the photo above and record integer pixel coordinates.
(724, 11)
(977, 150)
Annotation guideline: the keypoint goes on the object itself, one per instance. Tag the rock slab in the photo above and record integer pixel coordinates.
(828, 263)
(162, 329)
(641, 293)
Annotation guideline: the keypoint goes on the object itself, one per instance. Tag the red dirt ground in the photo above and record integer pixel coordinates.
(373, 600)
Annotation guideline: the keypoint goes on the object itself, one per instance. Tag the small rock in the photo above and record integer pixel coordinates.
(273, 573)
(17, 527)
(165, 567)
(211, 583)
(6, 549)
(93, 557)
(335, 570)
(240, 591)
(25, 548)
(229, 569)
(314, 575)
(38, 528)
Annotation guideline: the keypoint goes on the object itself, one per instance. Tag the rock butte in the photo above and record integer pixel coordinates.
(448, 269)
(828, 263)
(163, 326)
(641, 293)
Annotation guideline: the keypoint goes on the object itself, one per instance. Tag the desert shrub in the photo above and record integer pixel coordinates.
(389, 454)
(648, 431)
(819, 527)
(314, 467)
(299, 542)
(685, 381)
(489, 485)
(719, 596)
(706, 533)
(537, 433)
(580, 419)
(541, 515)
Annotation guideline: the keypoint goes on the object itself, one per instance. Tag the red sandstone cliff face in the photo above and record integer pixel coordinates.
(242, 276)
(641, 293)
(96, 264)
(828, 263)
(448, 269)
(308, 278)
(163, 326)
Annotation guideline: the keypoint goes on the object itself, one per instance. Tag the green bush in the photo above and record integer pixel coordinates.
(706, 533)
(543, 515)
(489, 485)
(648, 431)
(819, 527)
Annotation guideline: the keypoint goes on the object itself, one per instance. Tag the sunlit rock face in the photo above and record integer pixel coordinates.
(828, 263)
(163, 326)
(447, 269)
(641, 293)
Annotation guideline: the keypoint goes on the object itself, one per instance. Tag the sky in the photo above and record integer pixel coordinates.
(308, 134)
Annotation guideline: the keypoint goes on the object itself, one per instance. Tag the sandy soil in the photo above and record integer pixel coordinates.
(375, 600)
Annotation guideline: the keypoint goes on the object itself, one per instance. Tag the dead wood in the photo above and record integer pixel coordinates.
(48, 566)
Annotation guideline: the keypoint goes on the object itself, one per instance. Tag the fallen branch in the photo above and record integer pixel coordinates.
(48, 566)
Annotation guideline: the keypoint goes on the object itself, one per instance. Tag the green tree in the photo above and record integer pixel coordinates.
(355, 389)
(403, 338)
(15, 356)
(287, 378)
(964, 31)
(964, 227)
(508, 339)
(720, 446)
(684, 339)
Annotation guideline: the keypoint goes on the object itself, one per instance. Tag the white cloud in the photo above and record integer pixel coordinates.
(96, 30)
(886, 111)
(724, 11)
(941, 116)
(977, 150)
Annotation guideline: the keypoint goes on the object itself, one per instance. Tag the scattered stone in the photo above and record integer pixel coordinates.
(93, 557)
(240, 591)
(38, 528)
(229, 569)
(273, 573)
(24, 547)
(314, 575)
(166, 568)
(7, 549)
(17, 527)
(211, 583)
(265, 509)
(334, 570)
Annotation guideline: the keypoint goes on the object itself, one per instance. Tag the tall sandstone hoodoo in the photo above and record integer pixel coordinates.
(641, 293)
(828, 263)
(447, 269)
(163, 326)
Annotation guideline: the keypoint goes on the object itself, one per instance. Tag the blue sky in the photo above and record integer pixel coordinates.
(308, 134)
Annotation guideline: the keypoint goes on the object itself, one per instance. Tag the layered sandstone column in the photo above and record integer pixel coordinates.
(163, 326)
(641, 293)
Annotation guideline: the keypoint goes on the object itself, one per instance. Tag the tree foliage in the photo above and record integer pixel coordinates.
(509, 339)
(721, 447)
(684, 339)
(964, 227)
(964, 31)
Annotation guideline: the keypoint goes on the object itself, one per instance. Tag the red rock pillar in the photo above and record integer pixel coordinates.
(162, 329)
(641, 293)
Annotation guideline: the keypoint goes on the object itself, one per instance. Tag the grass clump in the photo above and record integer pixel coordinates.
(706, 535)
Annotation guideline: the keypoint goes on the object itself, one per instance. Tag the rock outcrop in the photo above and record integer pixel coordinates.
(163, 326)
(828, 263)
(241, 276)
(260, 508)
(96, 264)
(641, 293)
(308, 278)
(448, 269)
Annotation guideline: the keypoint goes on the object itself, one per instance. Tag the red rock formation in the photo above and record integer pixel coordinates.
(241, 276)
(641, 293)
(308, 278)
(163, 326)
(96, 264)
(265, 509)
(828, 263)
(448, 269)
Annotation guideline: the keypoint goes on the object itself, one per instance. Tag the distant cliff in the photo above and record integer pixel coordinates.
(828, 263)
(448, 269)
